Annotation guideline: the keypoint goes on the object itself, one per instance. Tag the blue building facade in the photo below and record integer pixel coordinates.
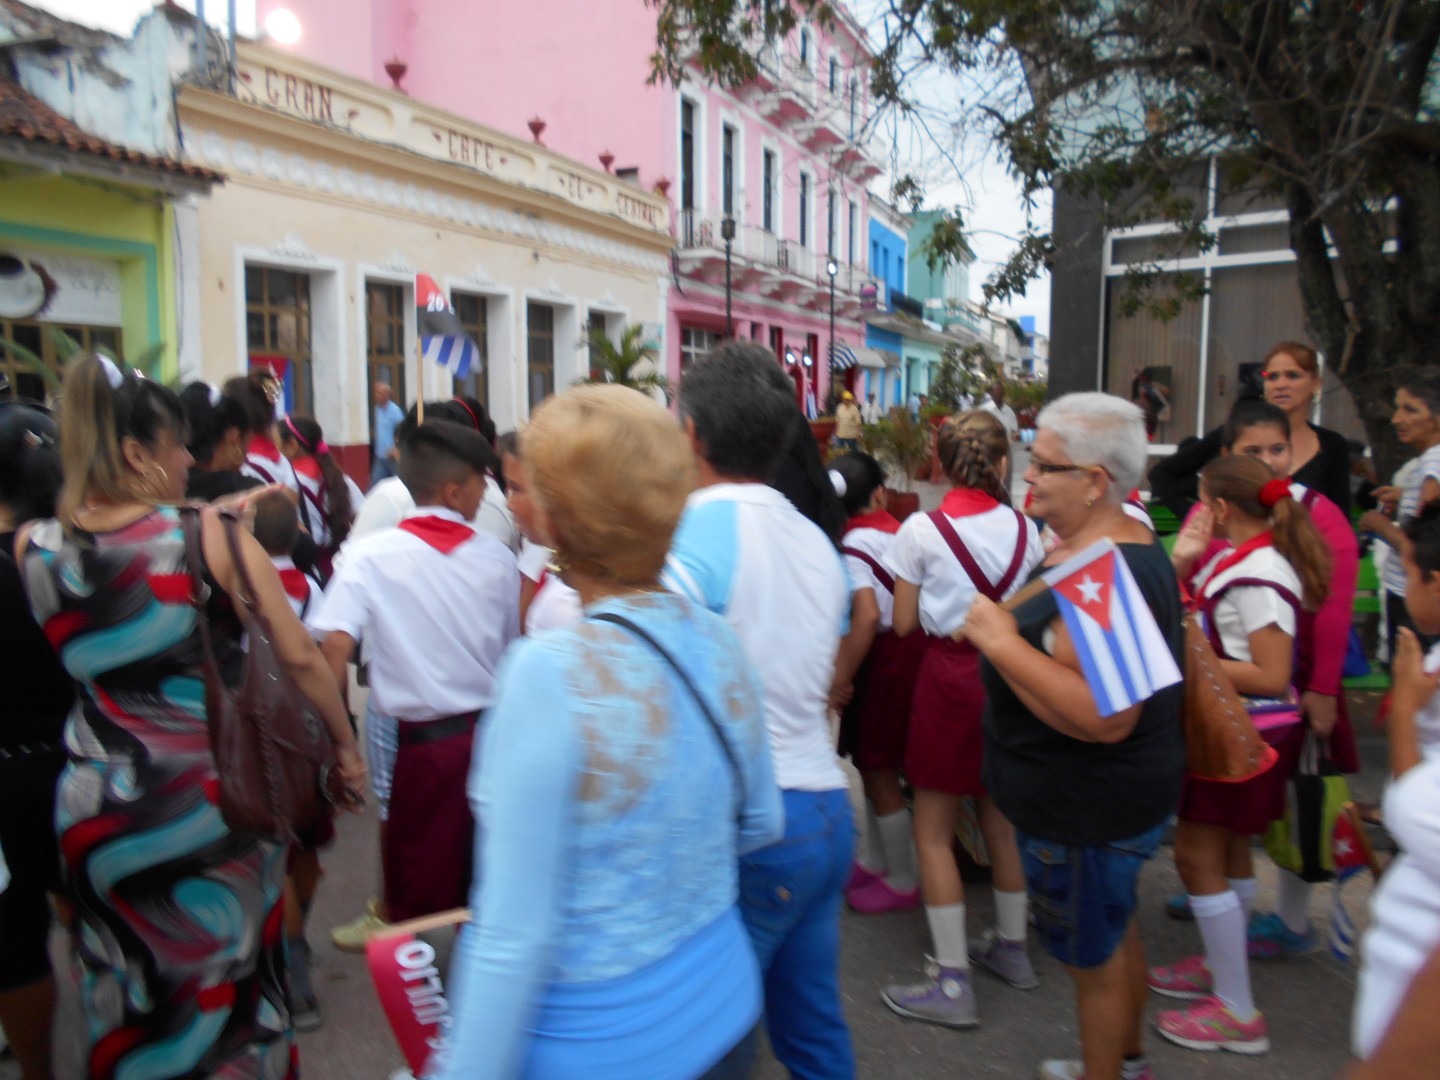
(888, 255)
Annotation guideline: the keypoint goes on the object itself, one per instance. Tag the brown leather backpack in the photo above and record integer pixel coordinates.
(273, 754)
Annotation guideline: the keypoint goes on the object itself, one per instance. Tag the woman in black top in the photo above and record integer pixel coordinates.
(1089, 794)
(38, 696)
(1321, 457)
(216, 432)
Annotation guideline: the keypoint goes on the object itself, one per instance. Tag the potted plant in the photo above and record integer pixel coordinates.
(616, 362)
(901, 444)
(823, 428)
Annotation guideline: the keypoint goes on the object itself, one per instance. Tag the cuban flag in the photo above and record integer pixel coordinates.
(442, 336)
(1123, 656)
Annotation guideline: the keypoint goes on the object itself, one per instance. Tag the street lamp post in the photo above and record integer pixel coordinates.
(832, 268)
(727, 232)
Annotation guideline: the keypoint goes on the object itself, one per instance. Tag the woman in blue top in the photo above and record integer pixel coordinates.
(613, 805)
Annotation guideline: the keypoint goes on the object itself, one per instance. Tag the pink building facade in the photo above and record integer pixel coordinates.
(784, 157)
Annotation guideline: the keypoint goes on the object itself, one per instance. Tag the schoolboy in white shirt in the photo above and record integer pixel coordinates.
(434, 601)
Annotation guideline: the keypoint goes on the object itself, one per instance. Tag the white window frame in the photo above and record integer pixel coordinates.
(500, 338)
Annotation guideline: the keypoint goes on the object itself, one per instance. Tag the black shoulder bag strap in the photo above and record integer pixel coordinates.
(643, 635)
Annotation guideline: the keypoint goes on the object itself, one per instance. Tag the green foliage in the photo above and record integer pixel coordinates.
(950, 380)
(899, 442)
(612, 362)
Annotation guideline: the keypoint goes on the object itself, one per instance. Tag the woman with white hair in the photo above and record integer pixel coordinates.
(1088, 794)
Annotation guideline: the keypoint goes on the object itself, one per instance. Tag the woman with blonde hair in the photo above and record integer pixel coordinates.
(175, 918)
(975, 545)
(622, 771)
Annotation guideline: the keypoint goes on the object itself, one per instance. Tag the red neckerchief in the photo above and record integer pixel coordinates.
(440, 533)
(965, 502)
(297, 585)
(875, 519)
(307, 466)
(1255, 543)
(262, 446)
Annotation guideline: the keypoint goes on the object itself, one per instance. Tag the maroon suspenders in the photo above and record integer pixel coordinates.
(977, 576)
(881, 574)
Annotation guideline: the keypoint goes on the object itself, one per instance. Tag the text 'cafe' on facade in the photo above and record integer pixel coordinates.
(338, 193)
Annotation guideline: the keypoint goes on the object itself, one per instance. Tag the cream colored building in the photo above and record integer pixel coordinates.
(337, 194)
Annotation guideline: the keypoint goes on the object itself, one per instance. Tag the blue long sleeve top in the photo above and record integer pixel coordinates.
(606, 940)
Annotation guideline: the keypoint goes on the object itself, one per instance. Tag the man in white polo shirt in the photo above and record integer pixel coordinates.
(745, 552)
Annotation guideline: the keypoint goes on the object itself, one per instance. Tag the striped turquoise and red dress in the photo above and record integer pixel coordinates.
(177, 921)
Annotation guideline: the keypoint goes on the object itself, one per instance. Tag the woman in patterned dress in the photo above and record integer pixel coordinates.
(176, 921)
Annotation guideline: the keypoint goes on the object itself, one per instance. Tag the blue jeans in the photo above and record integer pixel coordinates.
(381, 468)
(1083, 897)
(790, 901)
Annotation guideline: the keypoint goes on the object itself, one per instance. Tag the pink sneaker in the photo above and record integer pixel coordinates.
(1190, 978)
(860, 876)
(878, 897)
(1209, 1025)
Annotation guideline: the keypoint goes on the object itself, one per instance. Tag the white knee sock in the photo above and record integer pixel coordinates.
(1012, 911)
(947, 931)
(1222, 928)
(899, 843)
(1244, 888)
(874, 857)
(1293, 906)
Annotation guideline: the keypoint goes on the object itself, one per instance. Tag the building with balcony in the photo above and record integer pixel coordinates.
(784, 157)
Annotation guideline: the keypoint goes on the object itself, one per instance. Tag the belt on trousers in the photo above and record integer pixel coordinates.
(419, 732)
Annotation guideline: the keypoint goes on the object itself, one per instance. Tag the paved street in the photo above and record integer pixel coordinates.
(1308, 1001)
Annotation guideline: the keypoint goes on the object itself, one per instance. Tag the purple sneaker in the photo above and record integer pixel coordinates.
(1008, 959)
(945, 998)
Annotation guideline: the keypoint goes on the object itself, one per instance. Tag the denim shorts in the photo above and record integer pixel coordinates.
(1083, 897)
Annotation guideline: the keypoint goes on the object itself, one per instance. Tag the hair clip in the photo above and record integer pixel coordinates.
(838, 481)
(215, 396)
(113, 375)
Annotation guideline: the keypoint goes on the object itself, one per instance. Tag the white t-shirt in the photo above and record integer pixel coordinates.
(921, 556)
(875, 543)
(1415, 473)
(533, 558)
(1245, 609)
(434, 624)
(1405, 908)
(1004, 413)
(302, 590)
(744, 552)
(259, 465)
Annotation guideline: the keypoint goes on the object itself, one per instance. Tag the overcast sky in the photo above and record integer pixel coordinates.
(968, 175)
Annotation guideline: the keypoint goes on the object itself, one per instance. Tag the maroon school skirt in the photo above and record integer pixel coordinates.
(876, 723)
(1248, 807)
(946, 743)
(429, 839)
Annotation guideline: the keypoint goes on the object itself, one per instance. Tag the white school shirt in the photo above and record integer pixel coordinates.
(1415, 473)
(921, 556)
(269, 470)
(434, 625)
(1405, 907)
(389, 502)
(876, 543)
(303, 590)
(555, 605)
(746, 553)
(1245, 609)
(314, 505)
(533, 558)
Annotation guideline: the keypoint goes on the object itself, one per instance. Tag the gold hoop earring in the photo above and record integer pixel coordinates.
(164, 481)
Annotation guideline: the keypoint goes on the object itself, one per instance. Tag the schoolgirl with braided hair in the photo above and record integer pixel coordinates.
(975, 544)
(1252, 596)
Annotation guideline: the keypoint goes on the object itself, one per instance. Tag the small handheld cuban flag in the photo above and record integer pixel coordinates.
(1123, 656)
(442, 336)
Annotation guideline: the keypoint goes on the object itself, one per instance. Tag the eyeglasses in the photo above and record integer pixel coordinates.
(1045, 468)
